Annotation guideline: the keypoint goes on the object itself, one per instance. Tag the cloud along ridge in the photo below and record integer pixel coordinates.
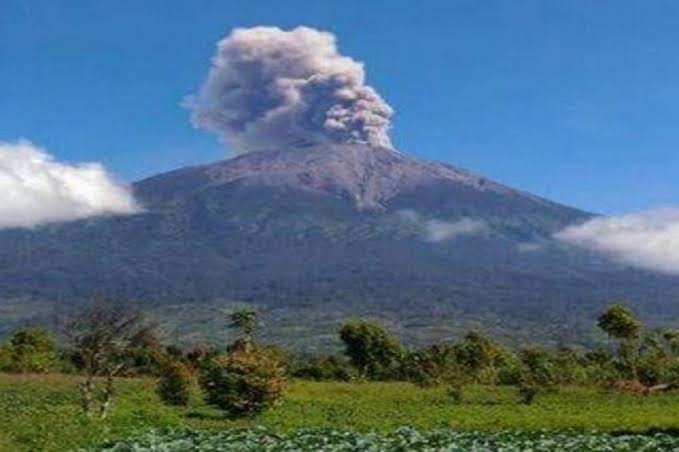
(37, 189)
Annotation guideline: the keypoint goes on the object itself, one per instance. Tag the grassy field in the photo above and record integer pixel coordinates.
(42, 412)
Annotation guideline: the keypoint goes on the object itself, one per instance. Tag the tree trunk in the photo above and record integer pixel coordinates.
(87, 395)
(107, 399)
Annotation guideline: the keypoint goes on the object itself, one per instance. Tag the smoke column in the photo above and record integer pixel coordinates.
(270, 88)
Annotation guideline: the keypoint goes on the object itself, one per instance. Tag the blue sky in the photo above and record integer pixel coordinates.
(576, 101)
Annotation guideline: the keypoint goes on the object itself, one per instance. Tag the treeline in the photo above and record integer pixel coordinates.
(105, 340)
(648, 357)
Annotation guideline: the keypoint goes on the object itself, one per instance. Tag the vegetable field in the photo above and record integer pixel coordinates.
(404, 439)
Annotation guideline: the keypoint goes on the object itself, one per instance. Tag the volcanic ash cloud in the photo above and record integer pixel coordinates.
(36, 189)
(270, 88)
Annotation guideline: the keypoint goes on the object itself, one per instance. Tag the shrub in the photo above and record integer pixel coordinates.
(476, 353)
(245, 382)
(201, 355)
(456, 393)
(509, 369)
(630, 387)
(527, 392)
(31, 350)
(6, 353)
(620, 322)
(174, 386)
(326, 368)
(432, 366)
(374, 352)
(539, 367)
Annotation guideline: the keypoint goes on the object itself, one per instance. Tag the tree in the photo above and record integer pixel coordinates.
(174, 385)
(246, 322)
(323, 368)
(102, 334)
(370, 348)
(539, 367)
(619, 321)
(31, 350)
(244, 382)
(476, 352)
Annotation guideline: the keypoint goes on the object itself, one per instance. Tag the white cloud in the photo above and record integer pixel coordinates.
(438, 230)
(435, 230)
(648, 239)
(36, 189)
(529, 247)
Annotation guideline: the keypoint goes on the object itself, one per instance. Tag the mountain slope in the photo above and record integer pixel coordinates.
(322, 233)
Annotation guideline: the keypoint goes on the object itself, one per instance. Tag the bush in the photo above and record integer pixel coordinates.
(201, 355)
(510, 368)
(245, 382)
(456, 393)
(374, 352)
(527, 392)
(30, 350)
(539, 367)
(174, 386)
(432, 366)
(327, 368)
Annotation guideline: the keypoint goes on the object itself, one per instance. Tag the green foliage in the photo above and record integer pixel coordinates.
(474, 359)
(5, 357)
(540, 369)
(373, 351)
(30, 350)
(434, 365)
(528, 390)
(403, 439)
(146, 354)
(41, 413)
(324, 368)
(244, 382)
(619, 321)
(456, 393)
(200, 356)
(509, 368)
(174, 385)
(476, 352)
(246, 322)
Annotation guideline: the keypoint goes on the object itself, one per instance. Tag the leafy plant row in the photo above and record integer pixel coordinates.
(404, 439)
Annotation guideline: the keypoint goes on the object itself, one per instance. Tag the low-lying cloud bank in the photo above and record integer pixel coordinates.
(273, 88)
(435, 230)
(647, 239)
(36, 189)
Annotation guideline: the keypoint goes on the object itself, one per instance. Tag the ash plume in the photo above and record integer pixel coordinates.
(272, 88)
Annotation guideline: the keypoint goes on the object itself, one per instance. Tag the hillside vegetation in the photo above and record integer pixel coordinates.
(319, 234)
(108, 379)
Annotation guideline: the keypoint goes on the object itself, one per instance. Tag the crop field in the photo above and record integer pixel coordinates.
(404, 439)
(42, 413)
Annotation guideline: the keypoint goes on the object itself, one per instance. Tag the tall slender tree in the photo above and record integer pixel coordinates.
(102, 333)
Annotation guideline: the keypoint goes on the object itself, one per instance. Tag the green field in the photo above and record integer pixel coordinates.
(42, 412)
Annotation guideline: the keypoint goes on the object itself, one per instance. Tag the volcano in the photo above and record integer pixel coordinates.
(318, 234)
